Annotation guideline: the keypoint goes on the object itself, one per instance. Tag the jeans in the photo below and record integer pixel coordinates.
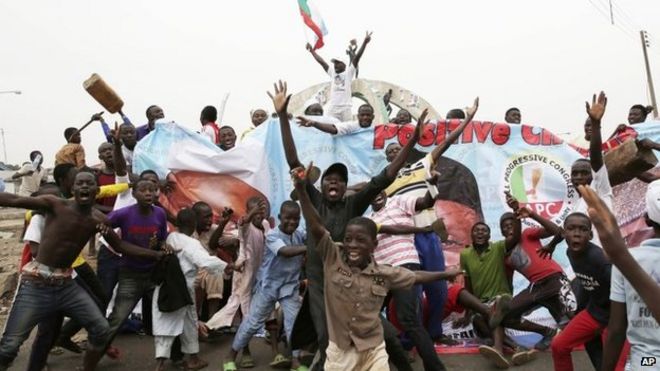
(47, 332)
(132, 287)
(89, 281)
(107, 270)
(263, 304)
(407, 310)
(432, 259)
(36, 301)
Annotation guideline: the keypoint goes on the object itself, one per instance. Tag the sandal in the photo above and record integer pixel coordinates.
(494, 356)
(280, 361)
(247, 361)
(229, 366)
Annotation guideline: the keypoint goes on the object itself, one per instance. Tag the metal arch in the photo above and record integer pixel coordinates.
(371, 91)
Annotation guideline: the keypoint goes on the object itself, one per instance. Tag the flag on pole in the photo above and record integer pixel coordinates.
(315, 27)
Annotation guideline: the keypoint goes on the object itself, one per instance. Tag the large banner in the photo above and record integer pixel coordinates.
(487, 160)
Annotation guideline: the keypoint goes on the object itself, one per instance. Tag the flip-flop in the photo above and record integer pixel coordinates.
(496, 357)
(229, 366)
(280, 361)
(520, 358)
(246, 361)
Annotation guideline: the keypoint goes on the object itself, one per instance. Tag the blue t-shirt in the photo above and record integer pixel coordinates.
(279, 276)
(148, 231)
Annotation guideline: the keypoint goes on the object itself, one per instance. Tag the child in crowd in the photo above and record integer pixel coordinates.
(593, 271)
(355, 288)
(183, 322)
(278, 281)
(253, 231)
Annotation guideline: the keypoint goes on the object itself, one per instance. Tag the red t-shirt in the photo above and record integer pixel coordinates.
(526, 260)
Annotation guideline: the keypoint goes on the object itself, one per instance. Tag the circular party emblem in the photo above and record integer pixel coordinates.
(541, 183)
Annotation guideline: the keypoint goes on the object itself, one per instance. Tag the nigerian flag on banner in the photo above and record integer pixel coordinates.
(315, 28)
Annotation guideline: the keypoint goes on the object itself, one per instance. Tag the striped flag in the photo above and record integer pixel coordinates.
(315, 29)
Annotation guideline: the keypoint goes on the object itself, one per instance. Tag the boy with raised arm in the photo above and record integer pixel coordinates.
(341, 77)
(635, 286)
(334, 207)
(592, 171)
(46, 286)
(278, 281)
(355, 287)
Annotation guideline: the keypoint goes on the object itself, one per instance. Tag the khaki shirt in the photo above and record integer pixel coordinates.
(353, 298)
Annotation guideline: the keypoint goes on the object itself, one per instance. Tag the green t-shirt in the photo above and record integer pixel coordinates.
(486, 271)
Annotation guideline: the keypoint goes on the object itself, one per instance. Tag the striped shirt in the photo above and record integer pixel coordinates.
(396, 250)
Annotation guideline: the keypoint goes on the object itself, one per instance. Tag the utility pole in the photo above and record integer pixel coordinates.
(646, 44)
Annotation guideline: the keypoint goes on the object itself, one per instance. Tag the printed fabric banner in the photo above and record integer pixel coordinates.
(487, 160)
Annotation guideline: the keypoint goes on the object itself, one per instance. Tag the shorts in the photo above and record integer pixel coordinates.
(553, 292)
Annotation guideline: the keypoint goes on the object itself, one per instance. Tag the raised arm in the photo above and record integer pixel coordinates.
(359, 53)
(400, 159)
(117, 154)
(215, 236)
(550, 228)
(451, 138)
(280, 103)
(95, 117)
(511, 241)
(317, 57)
(314, 223)
(326, 128)
(45, 202)
(617, 251)
(596, 111)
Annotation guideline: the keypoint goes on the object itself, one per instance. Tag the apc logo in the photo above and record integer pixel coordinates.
(541, 183)
(648, 361)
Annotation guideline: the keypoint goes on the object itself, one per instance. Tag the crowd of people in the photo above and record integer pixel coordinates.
(343, 293)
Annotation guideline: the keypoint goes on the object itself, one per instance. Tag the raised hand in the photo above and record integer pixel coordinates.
(226, 214)
(512, 202)
(280, 99)
(309, 47)
(603, 219)
(524, 213)
(367, 37)
(471, 111)
(419, 129)
(116, 138)
(300, 175)
(97, 116)
(597, 108)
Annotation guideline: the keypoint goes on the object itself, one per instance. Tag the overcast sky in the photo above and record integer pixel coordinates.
(545, 57)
